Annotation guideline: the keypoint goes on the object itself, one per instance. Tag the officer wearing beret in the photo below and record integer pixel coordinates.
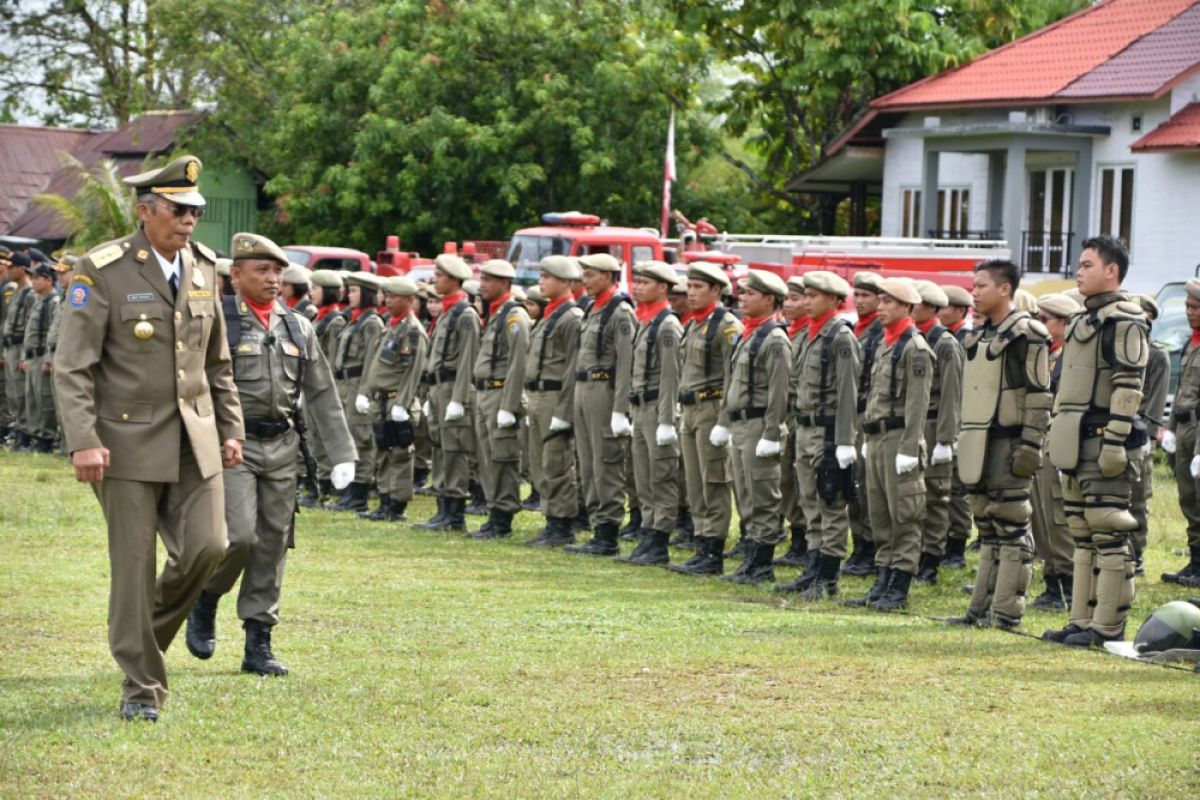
(868, 288)
(327, 288)
(353, 350)
(753, 413)
(454, 346)
(895, 451)
(151, 415)
(550, 387)
(1154, 401)
(277, 366)
(603, 376)
(1180, 438)
(390, 391)
(296, 283)
(18, 304)
(795, 313)
(41, 420)
(953, 317)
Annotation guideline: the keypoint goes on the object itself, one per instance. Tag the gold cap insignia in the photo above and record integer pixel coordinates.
(192, 172)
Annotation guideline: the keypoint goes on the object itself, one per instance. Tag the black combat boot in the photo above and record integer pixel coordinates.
(826, 584)
(955, 557)
(499, 526)
(420, 476)
(975, 544)
(633, 531)
(355, 498)
(201, 636)
(259, 659)
(4, 431)
(757, 567)
(534, 501)
(685, 528)
(326, 487)
(478, 506)
(21, 443)
(581, 522)
(397, 513)
(603, 543)
(709, 558)
(883, 576)
(862, 561)
(1189, 575)
(435, 522)
(1060, 636)
(740, 550)
(651, 551)
(797, 552)
(308, 499)
(1066, 583)
(1091, 638)
(557, 532)
(812, 570)
(379, 513)
(456, 521)
(927, 569)
(896, 596)
(43, 445)
(1051, 599)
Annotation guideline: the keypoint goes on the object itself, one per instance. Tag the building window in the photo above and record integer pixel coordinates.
(911, 222)
(1116, 203)
(953, 214)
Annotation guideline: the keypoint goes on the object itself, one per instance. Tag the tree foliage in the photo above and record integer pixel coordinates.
(101, 209)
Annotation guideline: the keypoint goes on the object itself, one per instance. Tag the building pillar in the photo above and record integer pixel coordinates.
(1081, 203)
(929, 192)
(1013, 218)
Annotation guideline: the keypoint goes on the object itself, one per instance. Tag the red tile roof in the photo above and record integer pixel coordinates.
(1044, 64)
(28, 160)
(1180, 132)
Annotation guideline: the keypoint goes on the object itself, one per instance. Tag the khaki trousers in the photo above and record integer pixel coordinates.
(601, 455)
(757, 481)
(14, 388)
(39, 400)
(395, 474)
(1189, 496)
(828, 525)
(1051, 537)
(896, 503)
(938, 478)
(499, 454)
(656, 471)
(455, 442)
(706, 470)
(361, 431)
(551, 459)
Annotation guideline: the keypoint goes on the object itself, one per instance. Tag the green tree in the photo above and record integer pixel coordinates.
(101, 209)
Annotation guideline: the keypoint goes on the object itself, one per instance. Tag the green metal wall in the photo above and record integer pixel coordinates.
(231, 207)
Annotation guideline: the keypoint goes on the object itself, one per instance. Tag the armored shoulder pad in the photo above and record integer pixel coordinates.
(1122, 310)
(203, 251)
(1032, 329)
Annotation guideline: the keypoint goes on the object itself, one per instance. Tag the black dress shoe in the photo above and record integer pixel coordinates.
(201, 635)
(138, 712)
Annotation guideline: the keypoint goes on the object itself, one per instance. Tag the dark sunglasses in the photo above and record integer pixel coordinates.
(180, 210)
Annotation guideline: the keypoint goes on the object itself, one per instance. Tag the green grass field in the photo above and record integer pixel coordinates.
(429, 665)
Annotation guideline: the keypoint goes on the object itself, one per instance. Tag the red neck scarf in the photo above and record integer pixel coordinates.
(1055, 346)
(864, 323)
(293, 301)
(927, 325)
(355, 313)
(325, 311)
(555, 304)
(699, 317)
(1195, 337)
(956, 327)
(751, 324)
(800, 323)
(451, 300)
(891, 333)
(814, 330)
(397, 319)
(496, 306)
(645, 312)
(261, 312)
(602, 299)
(577, 292)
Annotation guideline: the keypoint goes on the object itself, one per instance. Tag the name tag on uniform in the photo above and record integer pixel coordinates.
(147, 297)
(246, 348)
(199, 294)
(290, 349)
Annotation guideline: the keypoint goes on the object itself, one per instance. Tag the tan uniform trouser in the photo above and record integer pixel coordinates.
(499, 454)
(551, 459)
(395, 474)
(757, 481)
(828, 525)
(789, 489)
(938, 480)
(1189, 487)
(896, 502)
(1051, 536)
(361, 431)
(1097, 510)
(14, 388)
(601, 455)
(656, 471)
(706, 470)
(144, 614)
(1143, 490)
(860, 509)
(39, 399)
(455, 444)
(260, 495)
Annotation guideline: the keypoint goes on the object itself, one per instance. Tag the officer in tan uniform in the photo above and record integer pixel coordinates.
(941, 426)
(795, 314)
(449, 405)
(1154, 401)
(1180, 438)
(276, 361)
(12, 336)
(826, 409)
(8, 289)
(603, 375)
(868, 288)
(329, 320)
(896, 451)
(752, 419)
(550, 388)
(297, 283)
(151, 415)
(499, 380)
(707, 344)
(1095, 438)
(1006, 408)
(655, 396)
(390, 389)
(354, 349)
(41, 420)
(954, 318)
(1051, 537)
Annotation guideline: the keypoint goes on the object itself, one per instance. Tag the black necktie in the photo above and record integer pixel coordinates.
(174, 282)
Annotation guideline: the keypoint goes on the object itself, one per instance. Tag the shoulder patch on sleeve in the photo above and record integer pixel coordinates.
(106, 255)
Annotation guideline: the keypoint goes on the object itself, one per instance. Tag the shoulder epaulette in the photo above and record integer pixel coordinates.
(105, 255)
(204, 250)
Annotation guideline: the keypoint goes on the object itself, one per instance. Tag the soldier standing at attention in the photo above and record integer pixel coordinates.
(707, 343)
(390, 386)
(328, 322)
(7, 290)
(655, 395)
(795, 313)
(1180, 438)
(1094, 440)
(276, 361)
(826, 411)
(603, 375)
(550, 387)
(684, 524)
(42, 423)
(355, 347)
(753, 413)
(1154, 401)
(941, 426)
(499, 379)
(447, 407)
(954, 318)
(151, 415)
(296, 283)
(869, 330)
(1006, 407)
(895, 451)
(1051, 538)
(16, 316)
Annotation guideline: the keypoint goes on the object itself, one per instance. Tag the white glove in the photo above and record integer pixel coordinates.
(864, 450)
(665, 435)
(1168, 441)
(427, 410)
(1147, 447)
(766, 448)
(906, 463)
(1196, 466)
(399, 413)
(719, 437)
(557, 424)
(845, 455)
(361, 404)
(942, 454)
(342, 475)
(505, 419)
(454, 410)
(620, 424)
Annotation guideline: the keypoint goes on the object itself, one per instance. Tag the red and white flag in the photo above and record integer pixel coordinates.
(668, 175)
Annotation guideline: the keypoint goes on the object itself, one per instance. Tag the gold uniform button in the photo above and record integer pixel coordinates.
(142, 316)
(125, 418)
(181, 401)
(181, 373)
(178, 316)
(179, 345)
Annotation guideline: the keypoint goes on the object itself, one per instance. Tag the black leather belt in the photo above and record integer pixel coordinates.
(932, 414)
(637, 398)
(13, 341)
(885, 424)
(592, 375)
(1184, 417)
(692, 398)
(747, 413)
(544, 386)
(1004, 432)
(443, 375)
(266, 428)
(487, 384)
(815, 420)
(349, 372)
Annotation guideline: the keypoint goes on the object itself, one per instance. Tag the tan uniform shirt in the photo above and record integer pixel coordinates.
(904, 394)
(398, 365)
(763, 385)
(945, 392)
(553, 345)
(705, 349)
(658, 369)
(827, 377)
(503, 346)
(453, 347)
(608, 345)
